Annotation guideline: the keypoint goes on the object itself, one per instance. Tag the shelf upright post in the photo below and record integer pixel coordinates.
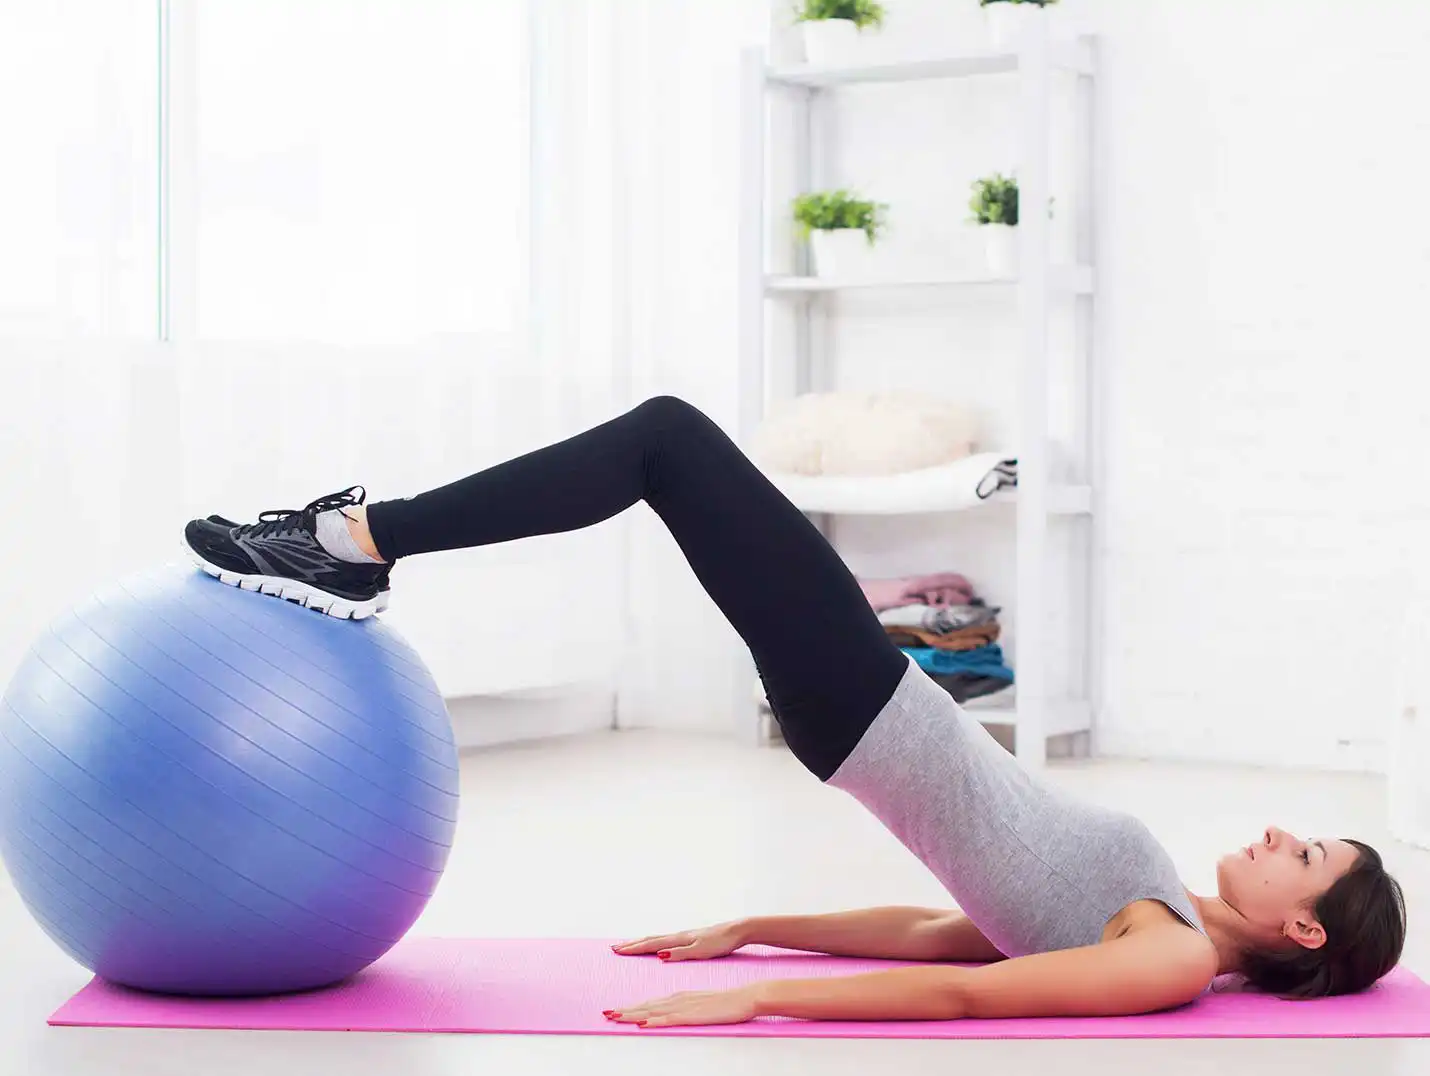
(815, 149)
(1094, 442)
(750, 722)
(1033, 309)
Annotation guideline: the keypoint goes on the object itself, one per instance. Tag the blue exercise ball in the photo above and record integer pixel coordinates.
(209, 791)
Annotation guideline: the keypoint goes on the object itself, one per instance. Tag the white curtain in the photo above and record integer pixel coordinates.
(79, 140)
(638, 243)
(86, 466)
(349, 172)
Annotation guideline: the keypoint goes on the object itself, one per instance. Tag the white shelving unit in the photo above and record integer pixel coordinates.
(1039, 503)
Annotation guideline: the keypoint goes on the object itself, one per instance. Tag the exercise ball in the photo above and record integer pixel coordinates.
(209, 791)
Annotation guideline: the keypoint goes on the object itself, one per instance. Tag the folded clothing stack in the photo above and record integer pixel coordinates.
(940, 622)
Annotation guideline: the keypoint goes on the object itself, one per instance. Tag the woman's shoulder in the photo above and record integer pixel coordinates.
(1177, 941)
(1150, 914)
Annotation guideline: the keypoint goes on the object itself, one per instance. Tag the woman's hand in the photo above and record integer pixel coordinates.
(706, 943)
(690, 1008)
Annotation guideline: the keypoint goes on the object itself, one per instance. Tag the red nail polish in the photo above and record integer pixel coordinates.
(608, 1012)
(664, 954)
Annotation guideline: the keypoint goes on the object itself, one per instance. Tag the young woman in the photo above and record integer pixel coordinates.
(1068, 909)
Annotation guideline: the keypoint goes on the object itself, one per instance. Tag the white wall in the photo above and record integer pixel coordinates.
(1263, 247)
(1262, 243)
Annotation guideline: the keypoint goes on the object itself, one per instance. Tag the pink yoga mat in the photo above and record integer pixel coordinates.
(559, 987)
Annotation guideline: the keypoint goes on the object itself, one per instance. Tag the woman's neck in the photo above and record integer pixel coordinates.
(1228, 930)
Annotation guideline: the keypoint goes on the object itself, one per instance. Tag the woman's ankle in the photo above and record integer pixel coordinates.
(361, 535)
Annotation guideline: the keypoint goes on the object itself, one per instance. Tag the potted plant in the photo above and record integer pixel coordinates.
(841, 229)
(995, 209)
(832, 28)
(1008, 19)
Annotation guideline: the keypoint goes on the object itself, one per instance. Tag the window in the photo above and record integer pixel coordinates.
(359, 169)
(79, 137)
(338, 170)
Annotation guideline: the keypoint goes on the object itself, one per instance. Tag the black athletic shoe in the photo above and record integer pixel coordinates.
(384, 586)
(280, 555)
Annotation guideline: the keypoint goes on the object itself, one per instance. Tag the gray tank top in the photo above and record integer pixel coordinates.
(1033, 868)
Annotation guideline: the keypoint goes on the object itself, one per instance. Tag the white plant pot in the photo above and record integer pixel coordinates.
(828, 42)
(843, 252)
(1007, 23)
(1002, 245)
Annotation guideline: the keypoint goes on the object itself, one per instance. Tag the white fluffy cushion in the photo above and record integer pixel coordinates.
(863, 433)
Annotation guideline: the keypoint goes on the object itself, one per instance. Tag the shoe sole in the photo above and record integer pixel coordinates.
(309, 597)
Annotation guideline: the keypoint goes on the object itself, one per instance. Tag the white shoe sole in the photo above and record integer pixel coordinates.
(291, 590)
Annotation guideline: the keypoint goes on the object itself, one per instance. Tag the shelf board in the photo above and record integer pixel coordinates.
(945, 487)
(1060, 719)
(964, 66)
(808, 496)
(1075, 280)
(1063, 500)
(1074, 56)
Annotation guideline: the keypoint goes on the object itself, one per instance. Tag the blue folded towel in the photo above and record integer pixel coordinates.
(981, 661)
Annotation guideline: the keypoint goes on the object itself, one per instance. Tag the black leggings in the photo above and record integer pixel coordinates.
(827, 665)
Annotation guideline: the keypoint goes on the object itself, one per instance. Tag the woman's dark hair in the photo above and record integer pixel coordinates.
(1363, 912)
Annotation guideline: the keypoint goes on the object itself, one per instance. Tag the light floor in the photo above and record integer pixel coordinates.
(629, 833)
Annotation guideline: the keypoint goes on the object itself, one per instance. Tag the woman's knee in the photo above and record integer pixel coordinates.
(672, 421)
(668, 411)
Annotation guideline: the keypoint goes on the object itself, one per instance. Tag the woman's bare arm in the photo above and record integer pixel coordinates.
(1141, 972)
(952, 936)
(888, 933)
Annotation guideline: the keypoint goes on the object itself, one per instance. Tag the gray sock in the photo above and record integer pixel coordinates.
(334, 536)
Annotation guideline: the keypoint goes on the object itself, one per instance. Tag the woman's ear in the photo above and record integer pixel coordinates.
(1305, 932)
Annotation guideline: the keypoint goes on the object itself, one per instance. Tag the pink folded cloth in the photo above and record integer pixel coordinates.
(940, 588)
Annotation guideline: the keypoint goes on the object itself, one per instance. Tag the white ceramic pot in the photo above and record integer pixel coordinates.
(842, 252)
(828, 42)
(1008, 22)
(1002, 245)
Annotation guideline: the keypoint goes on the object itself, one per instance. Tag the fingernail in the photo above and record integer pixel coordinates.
(641, 1024)
(664, 954)
(608, 1012)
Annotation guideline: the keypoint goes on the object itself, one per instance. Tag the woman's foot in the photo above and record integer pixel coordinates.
(282, 555)
(384, 588)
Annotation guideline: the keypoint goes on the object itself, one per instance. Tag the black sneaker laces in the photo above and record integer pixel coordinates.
(277, 521)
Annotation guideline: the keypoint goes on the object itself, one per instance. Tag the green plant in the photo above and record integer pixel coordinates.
(830, 210)
(861, 13)
(995, 200)
(1038, 3)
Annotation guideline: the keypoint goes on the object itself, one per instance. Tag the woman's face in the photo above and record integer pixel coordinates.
(1275, 883)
